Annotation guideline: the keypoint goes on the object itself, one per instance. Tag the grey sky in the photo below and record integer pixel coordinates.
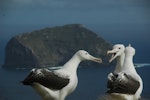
(118, 21)
(75, 11)
(103, 16)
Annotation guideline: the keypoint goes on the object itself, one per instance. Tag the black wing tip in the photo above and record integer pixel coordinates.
(120, 91)
(24, 82)
(28, 79)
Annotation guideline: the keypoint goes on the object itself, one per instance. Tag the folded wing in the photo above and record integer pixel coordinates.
(46, 78)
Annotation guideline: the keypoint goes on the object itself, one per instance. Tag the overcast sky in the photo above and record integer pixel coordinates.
(75, 11)
(115, 20)
(91, 13)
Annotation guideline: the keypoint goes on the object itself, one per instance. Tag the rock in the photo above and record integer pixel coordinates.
(53, 47)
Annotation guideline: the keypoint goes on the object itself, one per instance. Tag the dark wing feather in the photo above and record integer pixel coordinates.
(110, 82)
(127, 86)
(46, 78)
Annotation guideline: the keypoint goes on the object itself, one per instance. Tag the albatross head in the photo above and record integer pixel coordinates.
(84, 55)
(129, 50)
(117, 50)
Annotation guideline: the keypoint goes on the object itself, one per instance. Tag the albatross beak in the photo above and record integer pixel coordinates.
(114, 55)
(95, 59)
(111, 51)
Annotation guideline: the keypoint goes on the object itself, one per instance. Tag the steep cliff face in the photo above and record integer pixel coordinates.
(53, 46)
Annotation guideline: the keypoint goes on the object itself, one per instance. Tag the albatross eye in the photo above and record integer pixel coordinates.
(119, 48)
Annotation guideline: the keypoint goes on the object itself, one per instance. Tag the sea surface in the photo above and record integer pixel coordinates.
(91, 86)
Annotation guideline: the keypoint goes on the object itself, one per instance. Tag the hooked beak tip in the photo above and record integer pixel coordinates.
(98, 60)
(109, 61)
(107, 52)
(101, 60)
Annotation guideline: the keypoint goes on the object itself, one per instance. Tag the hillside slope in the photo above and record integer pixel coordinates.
(53, 46)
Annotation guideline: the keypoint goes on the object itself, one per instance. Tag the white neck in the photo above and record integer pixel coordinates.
(128, 65)
(72, 64)
(119, 65)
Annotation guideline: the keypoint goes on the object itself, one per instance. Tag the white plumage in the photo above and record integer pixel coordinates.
(117, 53)
(127, 83)
(129, 69)
(57, 84)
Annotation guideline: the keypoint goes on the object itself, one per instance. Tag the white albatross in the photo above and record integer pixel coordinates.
(57, 84)
(128, 83)
(117, 53)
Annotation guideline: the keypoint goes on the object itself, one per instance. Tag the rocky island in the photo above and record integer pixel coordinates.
(53, 47)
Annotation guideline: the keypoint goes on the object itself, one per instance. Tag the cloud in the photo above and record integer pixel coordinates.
(50, 3)
(10, 4)
(23, 1)
(88, 11)
(76, 4)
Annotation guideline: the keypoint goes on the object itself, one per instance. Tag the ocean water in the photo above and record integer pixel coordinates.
(92, 84)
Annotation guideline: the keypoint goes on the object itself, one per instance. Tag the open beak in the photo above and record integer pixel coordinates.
(114, 54)
(95, 59)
